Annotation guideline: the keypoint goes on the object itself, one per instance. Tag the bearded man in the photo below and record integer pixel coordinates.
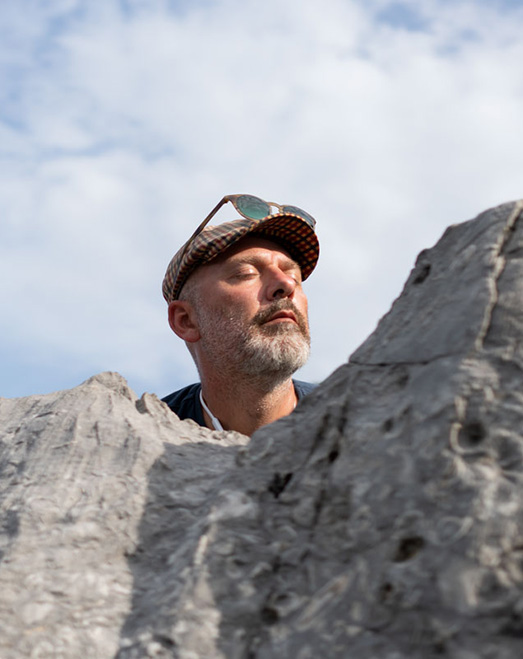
(235, 297)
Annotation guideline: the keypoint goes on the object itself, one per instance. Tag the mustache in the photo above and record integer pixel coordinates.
(283, 304)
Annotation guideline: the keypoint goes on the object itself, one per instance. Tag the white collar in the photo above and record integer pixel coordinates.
(215, 422)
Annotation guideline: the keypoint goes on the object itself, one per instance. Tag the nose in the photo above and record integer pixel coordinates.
(281, 285)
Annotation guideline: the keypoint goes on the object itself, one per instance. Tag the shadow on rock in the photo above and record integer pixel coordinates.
(183, 483)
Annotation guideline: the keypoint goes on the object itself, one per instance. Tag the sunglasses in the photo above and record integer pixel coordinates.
(252, 208)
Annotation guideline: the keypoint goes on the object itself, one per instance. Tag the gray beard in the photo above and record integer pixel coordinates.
(269, 354)
(276, 352)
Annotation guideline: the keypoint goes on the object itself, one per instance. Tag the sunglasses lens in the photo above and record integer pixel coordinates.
(252, 207)
(298, 211)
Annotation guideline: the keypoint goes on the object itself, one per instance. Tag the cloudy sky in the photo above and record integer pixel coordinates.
(123, 122)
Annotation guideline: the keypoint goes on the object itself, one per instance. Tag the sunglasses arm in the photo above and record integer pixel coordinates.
(201, 226)
(208, 218)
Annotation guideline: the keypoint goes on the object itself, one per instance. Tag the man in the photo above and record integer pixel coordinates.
(235, 297)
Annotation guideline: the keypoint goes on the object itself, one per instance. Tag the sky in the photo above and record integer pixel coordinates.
(123, 122)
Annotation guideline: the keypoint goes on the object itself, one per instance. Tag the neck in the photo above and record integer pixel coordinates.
(246, 406)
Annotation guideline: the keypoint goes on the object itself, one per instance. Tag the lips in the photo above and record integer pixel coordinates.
(283, 315)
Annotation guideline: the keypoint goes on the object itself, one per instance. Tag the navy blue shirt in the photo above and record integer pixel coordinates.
(186, 402)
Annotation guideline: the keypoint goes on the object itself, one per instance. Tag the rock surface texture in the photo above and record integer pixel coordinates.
(383, 519)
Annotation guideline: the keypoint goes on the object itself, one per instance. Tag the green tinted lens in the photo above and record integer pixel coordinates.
(252, 207)
(298, 211)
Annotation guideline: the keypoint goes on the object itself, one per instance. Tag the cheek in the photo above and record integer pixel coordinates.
(236, 304)
(245, 295)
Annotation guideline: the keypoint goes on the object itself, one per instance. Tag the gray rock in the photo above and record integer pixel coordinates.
(102, 496)
(383, 519)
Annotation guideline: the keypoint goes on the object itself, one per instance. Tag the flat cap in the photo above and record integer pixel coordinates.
(290, 231)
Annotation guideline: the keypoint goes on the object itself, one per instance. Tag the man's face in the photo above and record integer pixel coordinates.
(251, 310)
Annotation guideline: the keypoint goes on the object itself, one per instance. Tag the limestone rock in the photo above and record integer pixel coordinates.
(383, 519)
(94, 480)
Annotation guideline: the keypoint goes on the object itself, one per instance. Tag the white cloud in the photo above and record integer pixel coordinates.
(121, 128)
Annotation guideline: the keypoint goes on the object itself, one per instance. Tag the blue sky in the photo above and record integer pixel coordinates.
(122, 123)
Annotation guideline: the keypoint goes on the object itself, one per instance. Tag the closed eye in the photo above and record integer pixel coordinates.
(245, 273)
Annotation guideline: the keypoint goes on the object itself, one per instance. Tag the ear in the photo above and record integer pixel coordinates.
(183, 321)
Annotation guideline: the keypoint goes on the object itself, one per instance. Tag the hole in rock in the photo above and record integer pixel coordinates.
(388, 425)
(408, 548)
(473, 433)
(165, 641)
(269, 615)
(423, 274)
(333, 455)
(279, 483)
